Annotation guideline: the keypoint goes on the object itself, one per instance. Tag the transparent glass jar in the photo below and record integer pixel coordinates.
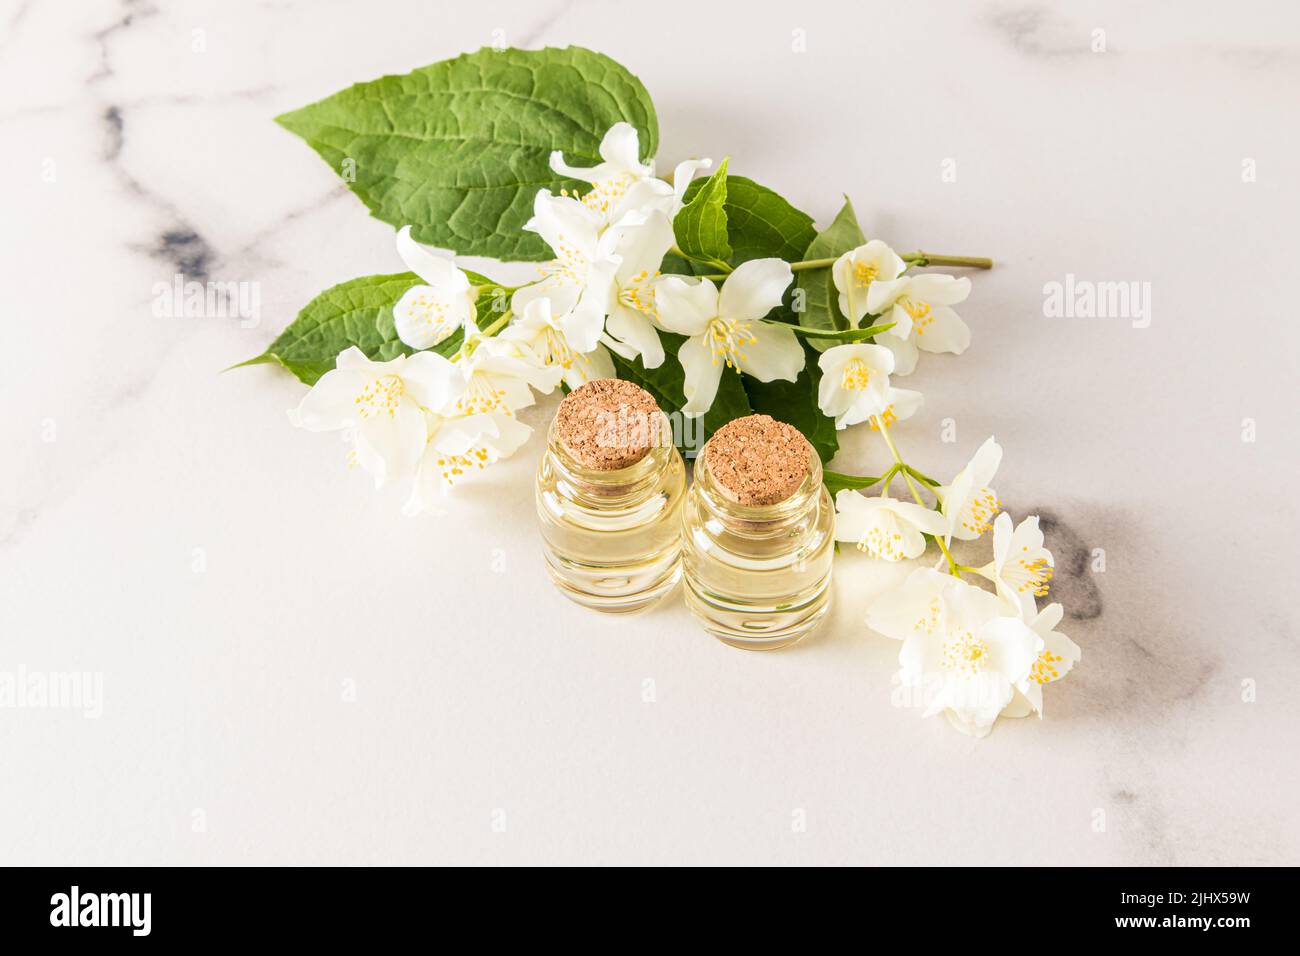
(612, 538)
(758, 577)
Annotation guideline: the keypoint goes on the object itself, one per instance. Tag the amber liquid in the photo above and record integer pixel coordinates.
(758, 578)
(612, 540)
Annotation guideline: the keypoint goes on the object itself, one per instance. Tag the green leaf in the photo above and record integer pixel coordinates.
(357, 312)
(667, 384)
(836, 482)
(760, 224)
(459, 149)
(821, 308)
(701, 226)
(796, 404)
(847, 335)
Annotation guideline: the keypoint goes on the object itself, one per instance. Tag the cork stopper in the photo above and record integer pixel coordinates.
(757, 460)
(608, 424)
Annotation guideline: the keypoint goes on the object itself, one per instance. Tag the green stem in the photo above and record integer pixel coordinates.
(901, 467)
(495, 326)
(498, 324)
(921, 476)
(935, 259)
(855, 482)
(716, 263)
(887, 477)
(916, 258)
(842, 335)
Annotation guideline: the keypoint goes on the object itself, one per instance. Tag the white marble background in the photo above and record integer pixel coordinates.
(161, 523)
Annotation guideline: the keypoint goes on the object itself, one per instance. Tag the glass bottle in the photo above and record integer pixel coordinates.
(758, 572)
(610, 488)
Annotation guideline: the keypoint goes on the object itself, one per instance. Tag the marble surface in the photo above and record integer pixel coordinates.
(293, 672)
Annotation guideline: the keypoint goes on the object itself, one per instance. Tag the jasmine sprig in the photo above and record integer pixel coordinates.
(918, 259)
(902, 468)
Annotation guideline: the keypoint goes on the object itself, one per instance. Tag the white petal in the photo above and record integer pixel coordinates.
(589, 367)
(972, 702)
(703, 374)
(634, 329)
(937, 289)
(329, 405)
(945, 332)
(563, 295)
(1020, 706)
(685, 306)
(621, 148)
(456, 436)
(683, 175)
(1028, 537)
(642, 248)
(914, 609)
(773, 353)
(984, 465)
(1013, 646)
(852, 513)
(390, 446)
(754, 289)
(924, 519)
(432, 381)
(905, 353)
(425, 316)
(437, 270)
(832, 399)
(1047, 619)
(353, 358)
(589, 174)
(565, 222)
(884, 265)
(584, 323)
(883, 293)
(902, 403)
(642, 197)
(1002, 534)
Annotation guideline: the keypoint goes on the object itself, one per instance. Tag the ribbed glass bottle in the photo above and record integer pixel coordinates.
(611, 523)
(757, 575)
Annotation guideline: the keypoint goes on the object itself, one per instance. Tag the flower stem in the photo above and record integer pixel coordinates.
(716, 263)
(935, 259)
(902, 468)
(915, 258)
(853, 482)
(495, 326)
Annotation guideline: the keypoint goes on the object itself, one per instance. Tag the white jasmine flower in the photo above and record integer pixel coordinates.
(856, 271)
(569, 343)
(957, 648)
(969, 503)
(459, 446)
(499, 376)
(919, 308)
(855, 382)
(623, 183)
(900, 404)
(382, 404)
(476, 425)
(633, 317)
(580, 279)
(1058, 656)
(887, 528)
(1021, 567)
(427, 314)
(726, 328)
(912, 609)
